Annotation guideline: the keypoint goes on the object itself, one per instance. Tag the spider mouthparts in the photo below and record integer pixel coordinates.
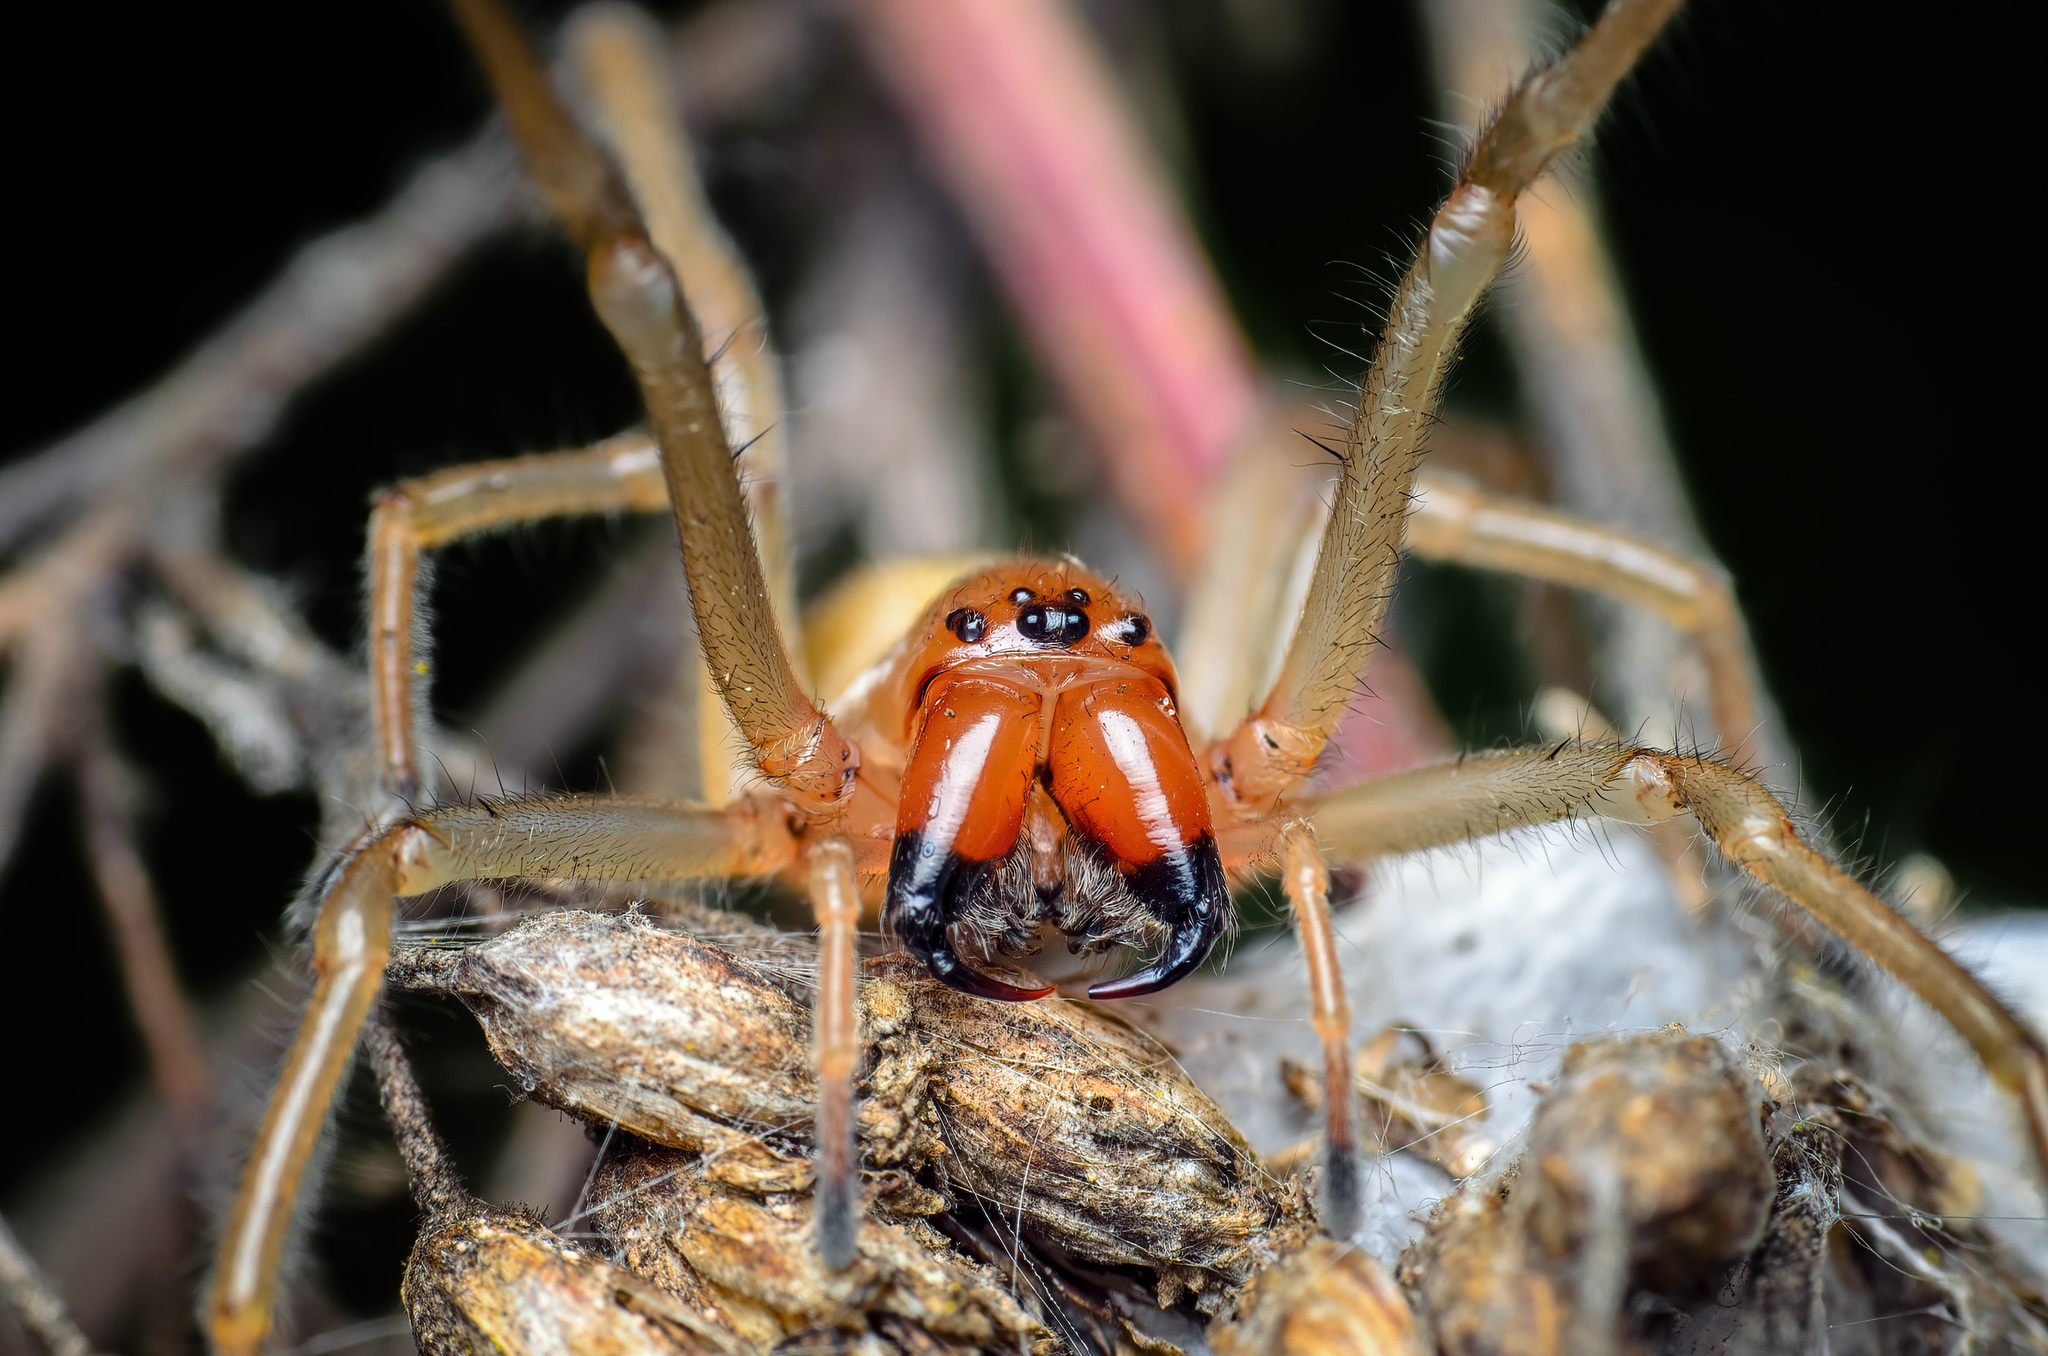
(949, 969)
(925, 891)
(1187, 892)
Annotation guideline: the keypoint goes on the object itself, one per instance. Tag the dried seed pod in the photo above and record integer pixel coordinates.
(1327, 1299)
(1776, 1301)
(1472, 1278)
(1646, 1169)
(1085, 1134)
(1658, 1135)
(747, 1261)
(1907, 1257)
(482, 1279)
(1053, 1115)
(619, 1022)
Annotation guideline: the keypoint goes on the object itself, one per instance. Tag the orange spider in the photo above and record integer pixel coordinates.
(1019, 757)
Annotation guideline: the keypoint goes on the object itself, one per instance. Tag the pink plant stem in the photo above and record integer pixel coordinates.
(1073, 209)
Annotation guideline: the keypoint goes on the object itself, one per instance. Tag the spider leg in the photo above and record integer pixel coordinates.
(628, 74)
(619, 475)
(835, 1034)
(1307, 881)
(1492, 792)
(1467, 243)
(1456, 522)
(584, 837)
(627, 78)
(636, 294)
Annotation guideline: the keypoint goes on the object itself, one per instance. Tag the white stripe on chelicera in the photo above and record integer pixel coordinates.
(1132, 755)
(964, 763)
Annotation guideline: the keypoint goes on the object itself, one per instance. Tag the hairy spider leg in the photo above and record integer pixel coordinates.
(584, 837)
(1276, 747)
(636, 294)
(835, 1036)
(640, 301)
(622, 474)
(1490, 793)
(635, 291)
(625, 73)
(1306, 878)
(1455, 521)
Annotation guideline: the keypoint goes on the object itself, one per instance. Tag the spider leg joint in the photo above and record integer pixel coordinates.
(1641, 792)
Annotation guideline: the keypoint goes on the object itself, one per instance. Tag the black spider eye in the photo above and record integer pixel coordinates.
(1020, 596)
(1055, 625)
(1135, 630)
(1078, 597)
(967, 624)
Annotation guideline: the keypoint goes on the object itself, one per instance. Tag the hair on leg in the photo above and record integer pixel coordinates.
(1458, 522)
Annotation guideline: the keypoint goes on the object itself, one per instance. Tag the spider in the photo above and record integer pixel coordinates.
(1018, 758)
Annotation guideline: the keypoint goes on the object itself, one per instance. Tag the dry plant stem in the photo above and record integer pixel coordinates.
(637, 296)
(436, 1185)
(1307, 880)
(622, 474)
(1076, 215)
(586, 837)
(169, 1030)
(226, 396)
(835, 901)
(1467, 243)
(34, 1302)
(46, 608)
(1491, 793)
(1456, 522)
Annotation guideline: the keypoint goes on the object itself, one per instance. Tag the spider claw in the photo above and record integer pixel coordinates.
(1187, 892)
(925, 891)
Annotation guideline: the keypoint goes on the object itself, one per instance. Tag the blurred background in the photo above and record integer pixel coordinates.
(1813, 217)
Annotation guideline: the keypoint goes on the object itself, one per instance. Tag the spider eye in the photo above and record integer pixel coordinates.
(1021, 596)
(1078, 597)
(1134, 630)
(1054, 625)
(967, 624)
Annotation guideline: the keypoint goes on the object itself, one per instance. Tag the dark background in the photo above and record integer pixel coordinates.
(1818, 210)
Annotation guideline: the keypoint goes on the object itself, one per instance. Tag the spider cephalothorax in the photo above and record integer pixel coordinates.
(1041, 775)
